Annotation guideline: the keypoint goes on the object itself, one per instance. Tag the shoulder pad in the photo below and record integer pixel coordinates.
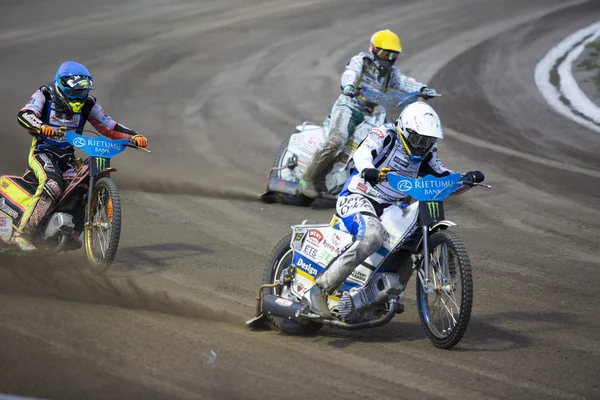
(390, 126)
(46, 91)
(90, 102)
(367, 56)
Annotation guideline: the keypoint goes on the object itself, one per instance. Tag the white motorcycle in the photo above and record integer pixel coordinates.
(297, 150)
(370, 296)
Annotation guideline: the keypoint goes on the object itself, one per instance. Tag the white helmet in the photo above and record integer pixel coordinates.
(419, 127)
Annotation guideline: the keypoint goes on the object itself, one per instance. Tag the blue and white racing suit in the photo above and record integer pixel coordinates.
(360, 204)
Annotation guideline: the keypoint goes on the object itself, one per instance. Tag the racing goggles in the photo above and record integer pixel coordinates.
(385, 54)
(419, 142)
(76, 88)
(78, 94)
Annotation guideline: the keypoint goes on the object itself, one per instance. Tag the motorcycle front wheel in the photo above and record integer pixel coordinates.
(445, 311)
(104, 230)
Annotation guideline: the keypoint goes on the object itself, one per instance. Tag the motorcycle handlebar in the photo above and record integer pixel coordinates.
(385, 170)
(61, 133)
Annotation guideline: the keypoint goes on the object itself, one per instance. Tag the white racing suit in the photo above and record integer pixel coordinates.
(348, 112)
(360, 204)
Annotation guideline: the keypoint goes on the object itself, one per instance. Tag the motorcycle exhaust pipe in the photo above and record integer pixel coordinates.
(283, 308)
(367, 324)
(278, 185)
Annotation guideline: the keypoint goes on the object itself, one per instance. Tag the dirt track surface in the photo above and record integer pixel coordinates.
(216, 86)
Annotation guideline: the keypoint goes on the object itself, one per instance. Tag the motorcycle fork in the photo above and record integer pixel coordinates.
(88, 207)
(423, 272)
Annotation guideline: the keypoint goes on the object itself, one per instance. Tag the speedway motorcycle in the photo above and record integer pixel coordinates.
(90, 195)
(297, 150)
(370, 296)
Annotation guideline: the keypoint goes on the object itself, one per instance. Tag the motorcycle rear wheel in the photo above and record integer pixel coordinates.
(281, 258)
(103, 234)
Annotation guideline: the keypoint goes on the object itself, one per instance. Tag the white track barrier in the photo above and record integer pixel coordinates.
(569, 49)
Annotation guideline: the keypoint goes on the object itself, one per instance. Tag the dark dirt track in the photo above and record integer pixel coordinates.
(216, 86)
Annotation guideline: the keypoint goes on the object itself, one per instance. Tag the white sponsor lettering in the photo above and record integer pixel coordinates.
(353, 204)
(102, 145)
(423, 184)
(307, 267)
(7, 209)
(33, 120)
(284, 302)
(74, 120)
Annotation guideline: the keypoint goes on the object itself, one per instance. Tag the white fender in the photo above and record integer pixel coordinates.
(446, 223)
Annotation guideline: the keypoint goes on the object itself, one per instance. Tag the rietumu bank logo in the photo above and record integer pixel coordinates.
(434, 209)
(79, 142)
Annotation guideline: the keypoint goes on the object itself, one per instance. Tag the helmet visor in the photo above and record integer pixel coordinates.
(78, 94)
(76, 87)
(419, 142)
(385, 54)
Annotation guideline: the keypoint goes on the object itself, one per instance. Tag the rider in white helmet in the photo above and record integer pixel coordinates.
(373, 70)
(407, 147)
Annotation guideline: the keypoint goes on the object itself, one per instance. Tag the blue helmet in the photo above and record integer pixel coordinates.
(72, 85)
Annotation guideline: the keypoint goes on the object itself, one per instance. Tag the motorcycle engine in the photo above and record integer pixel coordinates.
(380, 287)
(59, 222)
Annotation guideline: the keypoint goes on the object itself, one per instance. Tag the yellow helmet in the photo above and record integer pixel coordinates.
(386, 40)
(385, 46)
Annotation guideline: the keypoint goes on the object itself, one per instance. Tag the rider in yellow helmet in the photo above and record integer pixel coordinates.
(374, 70)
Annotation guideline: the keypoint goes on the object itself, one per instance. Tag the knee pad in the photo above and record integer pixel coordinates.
(373, 238)
(54, 189)
(374, 232)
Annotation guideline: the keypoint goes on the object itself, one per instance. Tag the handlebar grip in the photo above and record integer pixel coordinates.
(383, 174)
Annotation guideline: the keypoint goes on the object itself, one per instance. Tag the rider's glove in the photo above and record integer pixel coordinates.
(472, 177)
(47, 130)
(370, 175)
(428, 91)
(349, 90)
(139, 140)
(50, 131)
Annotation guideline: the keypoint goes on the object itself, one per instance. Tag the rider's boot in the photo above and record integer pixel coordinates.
(308, 188)
(339, 270)
(23, 242)
(320, 165)
(74, 241)
(317, 297)
(23, 237)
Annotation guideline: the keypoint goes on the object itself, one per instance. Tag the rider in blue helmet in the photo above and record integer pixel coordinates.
(63, 104)
(72, 85)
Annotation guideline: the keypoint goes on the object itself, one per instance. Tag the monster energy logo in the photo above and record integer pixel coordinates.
(100, 163)
(434, 209)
